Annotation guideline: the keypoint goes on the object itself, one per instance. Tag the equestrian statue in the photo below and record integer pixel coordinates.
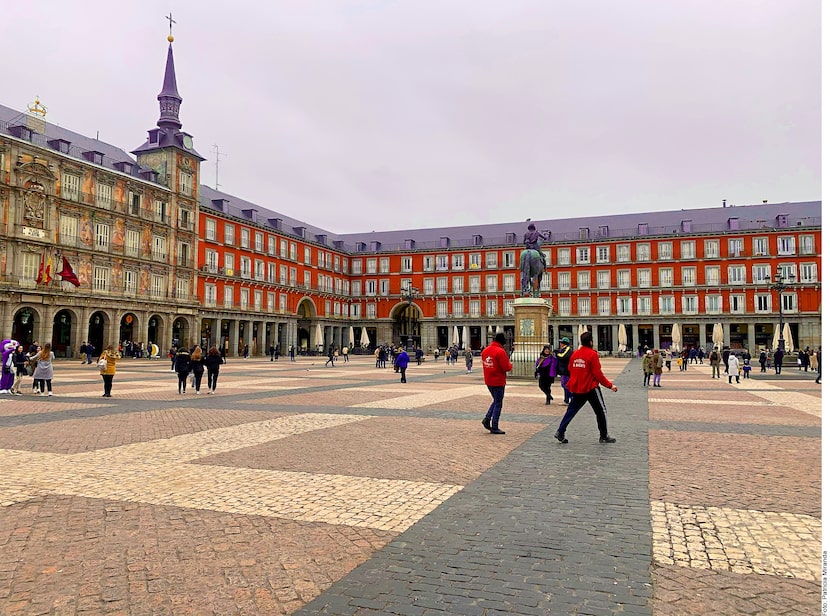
(532, 262)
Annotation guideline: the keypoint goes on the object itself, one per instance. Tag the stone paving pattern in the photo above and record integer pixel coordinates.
(304, 489)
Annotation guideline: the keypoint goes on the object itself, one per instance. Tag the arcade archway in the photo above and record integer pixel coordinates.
(24, 325)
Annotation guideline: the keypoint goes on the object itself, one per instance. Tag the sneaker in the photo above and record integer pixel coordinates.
(486, 423)
(560, 437)
(496, 431)
(198, 392)
(607, 439)
(49, 394)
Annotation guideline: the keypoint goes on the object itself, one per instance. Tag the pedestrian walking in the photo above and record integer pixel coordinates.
(585, 381)
(818, 365)
(291, 352)
(468, 359)
(271, 352)
(563, 359)
(331, 358)
(657, 368)
(345, 354)
(648, 368)
(197, 366)
(19, 362)
(734, 368)
(182, 368)
(762, 360)
(44, 372)
(212, 362)
(82, 351)
(31, 362)
(246, 351)
(106, 363)
(747, 367)
(714, 361)
(778, 360)
(401, 363)
(496, 364)
(546, 371)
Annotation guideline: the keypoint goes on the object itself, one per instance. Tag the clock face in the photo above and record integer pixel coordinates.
(188, 142)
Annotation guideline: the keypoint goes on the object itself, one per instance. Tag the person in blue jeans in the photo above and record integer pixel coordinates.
(401, 362)
(496, 364)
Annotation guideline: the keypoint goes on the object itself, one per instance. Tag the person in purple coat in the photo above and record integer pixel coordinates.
(546, 371)
(401, 362)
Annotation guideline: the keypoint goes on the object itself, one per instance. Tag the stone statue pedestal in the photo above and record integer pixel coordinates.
(531, 315)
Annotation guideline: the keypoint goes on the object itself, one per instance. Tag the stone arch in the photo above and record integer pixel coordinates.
(65, 328)
(25, 325)
(406, 324)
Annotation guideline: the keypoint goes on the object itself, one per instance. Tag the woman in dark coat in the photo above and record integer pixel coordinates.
(212, 363)
(198, 367)
(546, 371)
(182, 364)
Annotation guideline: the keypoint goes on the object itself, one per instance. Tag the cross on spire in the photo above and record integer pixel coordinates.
(172, 21)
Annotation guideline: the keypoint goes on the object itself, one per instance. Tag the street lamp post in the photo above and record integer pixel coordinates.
(409, 293)
(780, 284)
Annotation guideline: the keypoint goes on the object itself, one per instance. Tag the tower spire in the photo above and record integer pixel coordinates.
(169, 99)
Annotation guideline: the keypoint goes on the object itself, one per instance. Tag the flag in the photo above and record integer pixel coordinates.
(68, 275)
(40, 269)
(47, 273)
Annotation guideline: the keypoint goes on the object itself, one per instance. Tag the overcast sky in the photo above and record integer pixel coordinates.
(358, 115)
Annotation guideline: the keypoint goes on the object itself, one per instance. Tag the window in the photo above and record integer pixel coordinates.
(763, 302)
(357, 266)
(292, 251)
(458, 284)
(492, 308)
(544, 285)
(132, 243)
(307, 256)
(230, 234)
(68, 230)
(737, 303)
(292, 277)
(429, 286)
(789, 302)
(564, 281)
(508, 307)
(30, 265)
(272, 272)
(186, 218)
(667, 304)
(284, 249)
(259, 270)
(604, 279)
(258, 238)
(442, 285)
(475, 260)
(271, 299)
(356, 286)
(103, 196)
(508, 258)
(809, 272)
(475, 308)
(583, 255)
(787, 271)
(786, 245)
(492, 259)
(687, 250)
(644, 278)
(272, 246)
(458, 308)
(714, 304)
(624, 305)
(583, 280)
(492, 283)
(186, 183)
(711, 249)
(760, 246)
(102, 236)
(157, 286)
(603, 254)
(283, 302)
(160, 211)
(508, 283)
(442, 263)
(371, 266)
(429, 263)
(623, 279)
(159, 248)
(130, 284)
(406, 264)
(644, 252)
(623, 253)
(383, 288)
(712, 275)
(644, 305)
(227, 299)
(133, 203)
(371, 287)
(690, 304)
(243, 299)
(736, 246)
(806, 244)
(101, 279)
(182, 288)
(355, 310)
(306, 280)
(475, 284)
(441, 309)
(71, 187)
(564, 306)
(371, 310)
(245, 237)
(689, 276)
(458, 262)
(736, 274)
(604, 306)
(283, 274)
(761, 274)
(230, 265)
(665, 250)
(584, 306)
(336, 263)
(564, 256)
(384, 264)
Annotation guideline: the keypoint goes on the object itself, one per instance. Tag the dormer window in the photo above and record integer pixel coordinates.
(124, 166)
(782, 220)
(642, 228)
(61, 145)
(94, 156)
(21, 132)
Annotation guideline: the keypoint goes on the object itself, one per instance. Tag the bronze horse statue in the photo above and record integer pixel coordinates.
(532, 267)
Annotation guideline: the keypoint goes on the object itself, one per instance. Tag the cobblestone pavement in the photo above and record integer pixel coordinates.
(306, 489)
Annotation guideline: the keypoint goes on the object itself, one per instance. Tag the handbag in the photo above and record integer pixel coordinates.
(102, 363)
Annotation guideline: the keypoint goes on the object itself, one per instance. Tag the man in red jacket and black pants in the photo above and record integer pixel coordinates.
(586, 377)
(496, 364)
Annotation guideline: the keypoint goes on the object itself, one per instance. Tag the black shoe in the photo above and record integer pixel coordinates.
(547, 402)
(486, 423)
(496, 431)
(559, 437)
(607, 439)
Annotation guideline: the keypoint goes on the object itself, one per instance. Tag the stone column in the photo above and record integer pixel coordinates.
(615, 338)
(727, 343)
(635, 339)
(701, 330)
(233, 338)
(750, 338)
(531, 326)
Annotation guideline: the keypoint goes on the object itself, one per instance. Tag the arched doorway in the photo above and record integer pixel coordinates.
(129, 328)
(406, 326)
(23, 326)
(180, 332)
(306, 313)
(62, 334)
(97, 321)
(153, 328)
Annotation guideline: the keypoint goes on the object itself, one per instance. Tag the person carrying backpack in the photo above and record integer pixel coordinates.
(563, 358)
(714, 361)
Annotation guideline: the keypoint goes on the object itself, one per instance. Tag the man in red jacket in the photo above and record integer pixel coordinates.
(496, 364)
(586, 377)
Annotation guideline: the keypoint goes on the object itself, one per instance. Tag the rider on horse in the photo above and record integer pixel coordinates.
(532, 241)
